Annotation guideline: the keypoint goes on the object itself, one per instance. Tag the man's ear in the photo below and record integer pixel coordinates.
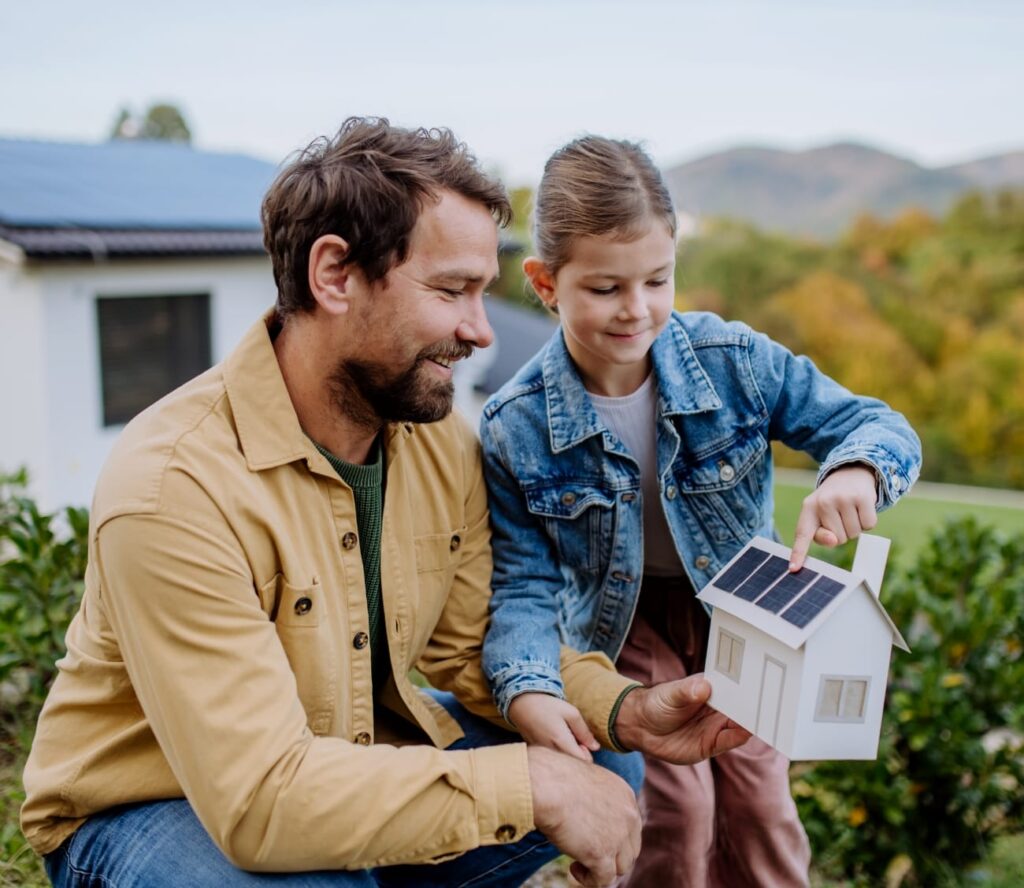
(330, 279)
(541, 280)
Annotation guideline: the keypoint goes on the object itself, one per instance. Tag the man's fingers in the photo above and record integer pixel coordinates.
(694, 690)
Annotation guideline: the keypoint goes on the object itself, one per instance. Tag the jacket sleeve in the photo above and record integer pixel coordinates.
(220, 696)
(810, 411)
(452, 660)
(522, 651)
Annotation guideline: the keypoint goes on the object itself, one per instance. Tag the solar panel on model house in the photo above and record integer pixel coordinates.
(763, 578)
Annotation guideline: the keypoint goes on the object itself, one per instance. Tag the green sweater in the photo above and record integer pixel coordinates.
(367, 483)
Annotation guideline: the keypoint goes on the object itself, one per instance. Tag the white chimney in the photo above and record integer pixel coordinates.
(869, 562)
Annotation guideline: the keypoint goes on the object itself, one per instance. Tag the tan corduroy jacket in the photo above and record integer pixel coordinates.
(218, 653)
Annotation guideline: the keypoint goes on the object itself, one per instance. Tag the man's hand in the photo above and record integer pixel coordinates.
(587, 812)
(544, 720)
(841, 507)
(672, 721)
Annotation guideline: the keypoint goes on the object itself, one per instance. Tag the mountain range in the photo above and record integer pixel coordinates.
(820, 191)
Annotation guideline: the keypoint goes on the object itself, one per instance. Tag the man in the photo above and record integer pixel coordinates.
(276, 544)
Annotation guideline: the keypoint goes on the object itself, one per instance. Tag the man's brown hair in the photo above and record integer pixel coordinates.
(368, 185)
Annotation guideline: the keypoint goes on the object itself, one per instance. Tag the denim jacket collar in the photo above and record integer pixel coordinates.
(683, 386)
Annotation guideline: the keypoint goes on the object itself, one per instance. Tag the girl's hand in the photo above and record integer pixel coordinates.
(842, 507)
(544, 720)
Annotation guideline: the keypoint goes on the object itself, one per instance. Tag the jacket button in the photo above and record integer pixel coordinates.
(303, 606)
(726, 472)
(701, 562)
(360, 640)
(670, 491)
(349, 540)
(568, 498)
(363, 739)
(505, 833)
(628, 497)
(455, 543)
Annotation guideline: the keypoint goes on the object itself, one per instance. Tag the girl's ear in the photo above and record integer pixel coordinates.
(331, 281)
(541, 280)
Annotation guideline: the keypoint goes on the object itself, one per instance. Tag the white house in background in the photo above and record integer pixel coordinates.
(125, 269)
(802, 659)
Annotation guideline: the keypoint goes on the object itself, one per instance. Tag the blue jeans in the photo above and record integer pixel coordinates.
(163, 844)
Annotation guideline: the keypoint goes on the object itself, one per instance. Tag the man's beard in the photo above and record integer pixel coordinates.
(371, 392)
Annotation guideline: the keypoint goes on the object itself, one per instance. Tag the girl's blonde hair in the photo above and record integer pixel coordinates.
(597, 186)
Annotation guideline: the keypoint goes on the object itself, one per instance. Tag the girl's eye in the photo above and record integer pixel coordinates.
(658, 283)
(602, 291)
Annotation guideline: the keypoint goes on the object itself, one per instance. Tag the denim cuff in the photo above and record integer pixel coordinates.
(891, 479)
(523, 678)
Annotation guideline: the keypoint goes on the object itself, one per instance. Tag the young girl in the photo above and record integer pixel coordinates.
(626, 463)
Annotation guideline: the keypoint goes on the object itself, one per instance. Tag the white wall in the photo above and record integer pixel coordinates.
(739, 700)
(22, 369)
(855, 641)
(68, 452)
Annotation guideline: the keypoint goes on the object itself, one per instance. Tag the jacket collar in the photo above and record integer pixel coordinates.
(683, 386)
(268, 427)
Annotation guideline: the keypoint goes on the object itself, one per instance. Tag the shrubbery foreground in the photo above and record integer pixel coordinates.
(949, 778)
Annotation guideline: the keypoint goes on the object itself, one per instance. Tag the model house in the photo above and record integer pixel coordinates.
(801, 659)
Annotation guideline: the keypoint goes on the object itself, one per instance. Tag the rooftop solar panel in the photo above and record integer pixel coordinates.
(783, 592)
(742, 569)
(812, 602)
(762, 578)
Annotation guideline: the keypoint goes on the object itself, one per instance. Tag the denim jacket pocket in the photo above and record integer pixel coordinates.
(579, 518)
(725, 489)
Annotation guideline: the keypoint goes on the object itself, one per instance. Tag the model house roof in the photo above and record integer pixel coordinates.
(129, 198)
(757, 587)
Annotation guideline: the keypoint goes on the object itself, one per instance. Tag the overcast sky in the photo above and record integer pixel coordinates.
(937, 81)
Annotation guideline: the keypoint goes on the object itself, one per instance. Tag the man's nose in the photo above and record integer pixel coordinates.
(474, 327)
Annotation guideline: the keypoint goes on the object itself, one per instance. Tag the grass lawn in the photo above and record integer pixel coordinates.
(909, 523)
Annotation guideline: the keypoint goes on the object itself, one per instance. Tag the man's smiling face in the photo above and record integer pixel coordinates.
(427, 313)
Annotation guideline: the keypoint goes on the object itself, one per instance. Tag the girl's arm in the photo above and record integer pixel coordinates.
(521, 649)
(810, 411)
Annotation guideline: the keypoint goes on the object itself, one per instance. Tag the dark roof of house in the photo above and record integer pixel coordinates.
(519, 334)
(129, 199)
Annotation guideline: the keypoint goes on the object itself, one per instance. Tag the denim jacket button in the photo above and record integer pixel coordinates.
(568, 498)
(701, 562)
(897, 483)
(670, 491)
(727, 473)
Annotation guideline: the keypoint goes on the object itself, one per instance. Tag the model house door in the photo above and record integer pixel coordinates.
(772, 680)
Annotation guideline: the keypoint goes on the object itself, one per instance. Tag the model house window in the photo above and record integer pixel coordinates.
(841, 699)
(149, 345)
(729, 657)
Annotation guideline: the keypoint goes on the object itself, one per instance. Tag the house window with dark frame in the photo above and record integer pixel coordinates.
(149, 345)
(842, 698)
(729, 656)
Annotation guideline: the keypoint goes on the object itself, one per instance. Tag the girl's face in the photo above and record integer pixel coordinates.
(613, 297)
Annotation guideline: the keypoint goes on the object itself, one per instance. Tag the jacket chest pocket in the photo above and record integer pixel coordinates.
(299, 616)
(579, 519)
(727, 490)
(437, 558)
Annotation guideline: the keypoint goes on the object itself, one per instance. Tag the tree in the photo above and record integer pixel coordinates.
(161, 121)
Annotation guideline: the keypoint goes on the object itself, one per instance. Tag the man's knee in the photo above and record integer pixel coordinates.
(628, 765)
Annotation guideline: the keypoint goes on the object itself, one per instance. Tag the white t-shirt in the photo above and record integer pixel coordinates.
(632, 418)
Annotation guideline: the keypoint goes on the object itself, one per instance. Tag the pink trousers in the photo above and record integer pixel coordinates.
(729, 821)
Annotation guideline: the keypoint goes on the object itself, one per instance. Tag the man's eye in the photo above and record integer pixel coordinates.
(454, 294)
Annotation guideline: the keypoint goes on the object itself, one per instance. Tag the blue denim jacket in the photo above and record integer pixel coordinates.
(565, 497)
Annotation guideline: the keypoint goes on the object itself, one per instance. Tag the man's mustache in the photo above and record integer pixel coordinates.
(447, 351)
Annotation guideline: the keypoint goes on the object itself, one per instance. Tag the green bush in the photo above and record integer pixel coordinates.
(949, 777)
(42, 566)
